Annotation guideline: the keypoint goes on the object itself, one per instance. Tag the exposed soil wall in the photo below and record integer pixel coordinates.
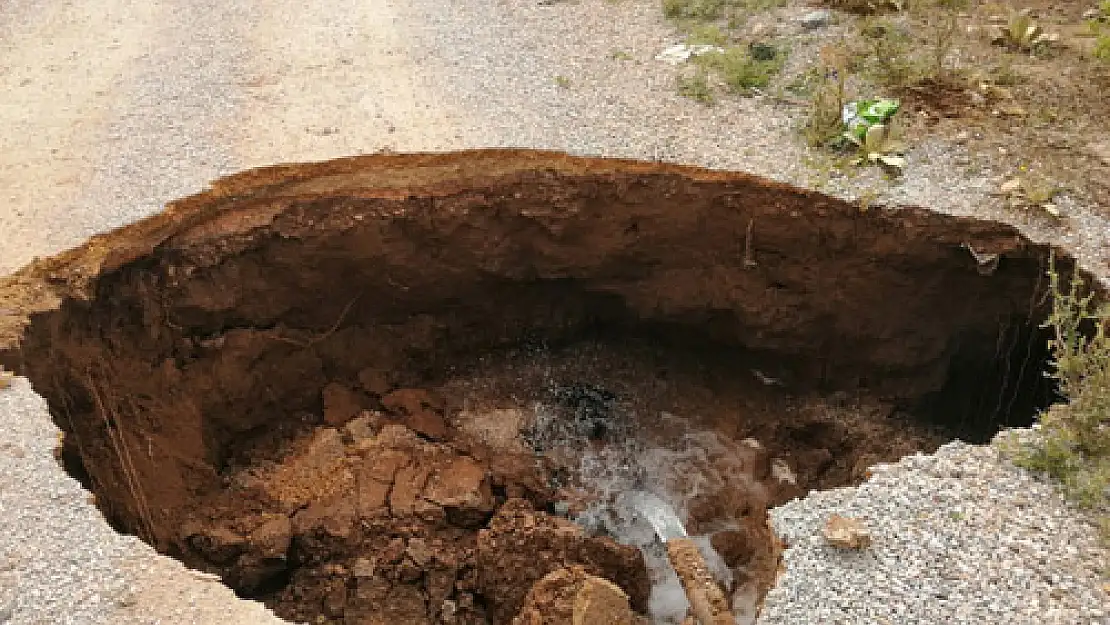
(224, 318)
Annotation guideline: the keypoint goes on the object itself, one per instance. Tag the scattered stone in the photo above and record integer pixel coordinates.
(846, 533)
(816, 19)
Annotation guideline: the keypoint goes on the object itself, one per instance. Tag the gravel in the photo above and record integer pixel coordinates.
(61, 563)
(961, 536)
(122, 105)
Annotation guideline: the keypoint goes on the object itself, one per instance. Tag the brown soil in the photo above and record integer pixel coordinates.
(1040, 117)
(320, 381)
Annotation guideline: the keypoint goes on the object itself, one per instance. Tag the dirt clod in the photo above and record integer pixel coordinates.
(521, 546)
(571, 596)
(846, 533)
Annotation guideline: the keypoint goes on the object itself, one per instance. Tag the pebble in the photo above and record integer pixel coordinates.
(955, 541)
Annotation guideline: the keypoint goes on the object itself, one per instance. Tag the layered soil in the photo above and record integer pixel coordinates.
(325, 382)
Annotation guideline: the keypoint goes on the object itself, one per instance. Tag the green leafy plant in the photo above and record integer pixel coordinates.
(1021, 32)
(620, 55)
(889, 50)
(562, 82)
(1074, 437)
(879, 145)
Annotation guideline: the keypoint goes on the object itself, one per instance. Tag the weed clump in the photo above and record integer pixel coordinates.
(744, 70)
(696, 87)
(1074, 441)
(701, 10)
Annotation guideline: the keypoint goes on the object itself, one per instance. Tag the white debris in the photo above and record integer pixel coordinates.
(681, 52)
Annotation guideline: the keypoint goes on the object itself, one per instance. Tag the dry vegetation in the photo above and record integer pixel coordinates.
(1073, 444)
(1019, 85)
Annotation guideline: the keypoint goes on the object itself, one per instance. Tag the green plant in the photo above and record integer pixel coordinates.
(1102, 47)
(739, 68)
(620, 55)
(880, 144)
(707, 34)
(1074, 439)
(562, 82)
(701, 10)
(1021, 32)
(823, 124)
(696, 87)
(868, 7)
(942, 35)
(889, 49)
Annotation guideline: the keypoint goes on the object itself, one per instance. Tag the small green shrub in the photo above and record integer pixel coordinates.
(1022, 33)
(1074, 441)
(708, 34)
(739, 68)
(702, 10)
(696, 87)
(823, 125)
(1102, 47)
(889, 49)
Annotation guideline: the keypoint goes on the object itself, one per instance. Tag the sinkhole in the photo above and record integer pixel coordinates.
(405, 388)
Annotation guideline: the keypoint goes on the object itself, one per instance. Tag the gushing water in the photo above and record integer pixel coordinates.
(658, 513)
(643, 489)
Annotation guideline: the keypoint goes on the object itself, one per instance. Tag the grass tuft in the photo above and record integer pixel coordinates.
(741, 70)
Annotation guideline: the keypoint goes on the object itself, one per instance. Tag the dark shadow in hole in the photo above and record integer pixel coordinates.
(994, 383)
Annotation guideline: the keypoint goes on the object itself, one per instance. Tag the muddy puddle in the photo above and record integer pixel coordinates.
(455, 388)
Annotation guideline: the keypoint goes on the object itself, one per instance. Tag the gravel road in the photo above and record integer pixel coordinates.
(117, 106)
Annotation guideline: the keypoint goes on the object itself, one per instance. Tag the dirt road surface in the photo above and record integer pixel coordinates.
(114, 107)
